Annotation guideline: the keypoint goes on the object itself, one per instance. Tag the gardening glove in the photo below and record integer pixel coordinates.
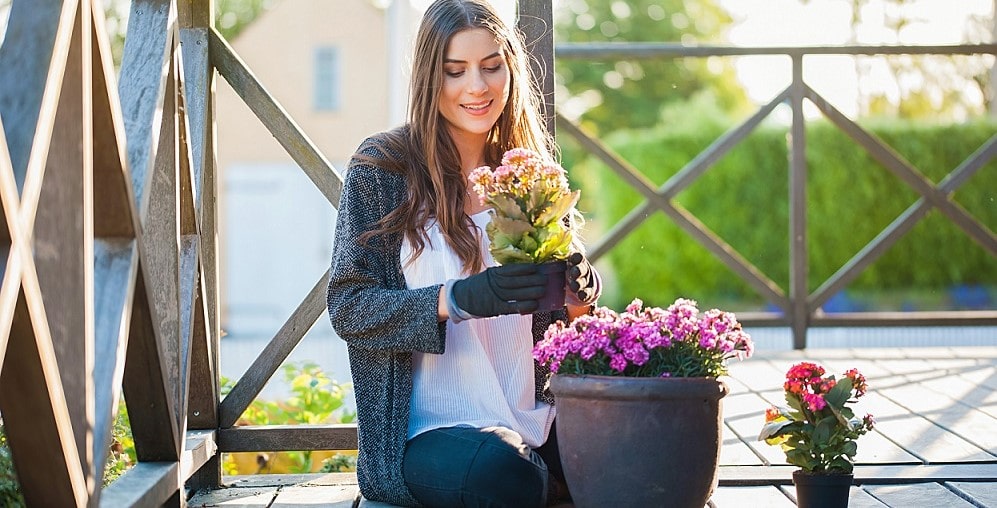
(506, 289)
(581, 280)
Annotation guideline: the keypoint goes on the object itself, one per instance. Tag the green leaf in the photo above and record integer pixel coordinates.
(850, 448)
(507, 207)
(559, 208)
(772, 431)
(839, 394)
(510, 254)
(824, 429)
(514, 228)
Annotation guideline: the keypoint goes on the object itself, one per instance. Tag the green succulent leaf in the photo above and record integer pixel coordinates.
(510, 254)
(558, 209)
(507, 207)
(513, 228)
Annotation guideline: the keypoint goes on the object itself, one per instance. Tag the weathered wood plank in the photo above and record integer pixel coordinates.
(762, 496)
(114, 212)
(153, 426)
(261, 438)
(115, 223)
(202, 408)
(246, 497)
(923, 494)
(35, 414)
(277, 480)
(145, 484)
(966, 422)
(152, 483)
(857, 498)
(115, 270)
(865, 474)
(276, 351)
(11, 270)
(188, 290)
(984, 493)
(33, 59)
(198, 78)
(744, 414)
(199, 13)
(535, 21)
(275, 118)
(199, 447)
(63, 237)
(295, 496)
(159, 245)
(144, 69)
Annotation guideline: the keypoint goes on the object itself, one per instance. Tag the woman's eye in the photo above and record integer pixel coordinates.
(493, 69)
(454, 74)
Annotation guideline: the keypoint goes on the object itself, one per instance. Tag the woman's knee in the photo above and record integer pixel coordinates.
(506, 472)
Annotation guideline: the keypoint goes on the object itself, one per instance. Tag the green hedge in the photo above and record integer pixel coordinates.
(744, 199)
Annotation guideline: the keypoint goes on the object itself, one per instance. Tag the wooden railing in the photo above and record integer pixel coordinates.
(799, 309)
(110, 274)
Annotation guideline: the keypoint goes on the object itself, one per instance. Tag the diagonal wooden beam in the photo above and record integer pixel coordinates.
(275, 352)
(899, 227)
(275, 119)
(687, 221)
(33, 59)
(115, 249)
(36, 418)
(62, 237)
(11, 278)
(198, 95)
(145, 387)
(159, 245)
(145, 72)
(904, 170)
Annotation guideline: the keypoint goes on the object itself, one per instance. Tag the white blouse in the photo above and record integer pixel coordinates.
(485, 376)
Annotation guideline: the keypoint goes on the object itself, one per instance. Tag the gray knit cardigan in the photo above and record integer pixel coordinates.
(382, 323)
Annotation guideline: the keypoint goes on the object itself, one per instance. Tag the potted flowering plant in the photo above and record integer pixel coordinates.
(818, 431)
(533, 216)
(621, 377)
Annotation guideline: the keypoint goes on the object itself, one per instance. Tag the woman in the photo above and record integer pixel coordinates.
(451, 407)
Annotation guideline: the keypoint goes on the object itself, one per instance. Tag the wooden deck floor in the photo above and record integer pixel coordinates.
(935, 442)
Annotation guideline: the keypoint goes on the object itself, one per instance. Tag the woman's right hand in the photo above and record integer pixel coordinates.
(507, 289)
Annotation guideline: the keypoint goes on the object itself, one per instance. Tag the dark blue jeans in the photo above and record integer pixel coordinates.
(489, 467)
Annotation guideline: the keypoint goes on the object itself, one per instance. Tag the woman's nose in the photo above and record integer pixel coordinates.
(476, 83)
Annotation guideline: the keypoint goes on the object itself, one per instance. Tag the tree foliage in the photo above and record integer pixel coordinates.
(631, 93)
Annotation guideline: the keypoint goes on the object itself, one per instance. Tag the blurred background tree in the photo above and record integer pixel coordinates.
(632, 93)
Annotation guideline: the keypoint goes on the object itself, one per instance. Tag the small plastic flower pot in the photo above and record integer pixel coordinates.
(553, 298)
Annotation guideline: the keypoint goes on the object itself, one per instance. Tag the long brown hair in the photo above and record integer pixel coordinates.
(424, 151)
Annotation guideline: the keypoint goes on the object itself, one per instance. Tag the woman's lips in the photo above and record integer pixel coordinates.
(477, 109)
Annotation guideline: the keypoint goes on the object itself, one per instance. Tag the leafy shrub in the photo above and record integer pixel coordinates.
(10, 489)
(315, 399)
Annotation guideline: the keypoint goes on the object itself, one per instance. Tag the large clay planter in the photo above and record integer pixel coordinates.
(639, 442)
(822, 490)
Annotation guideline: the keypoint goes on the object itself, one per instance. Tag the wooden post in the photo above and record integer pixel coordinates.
(535, 21)
(798, 290)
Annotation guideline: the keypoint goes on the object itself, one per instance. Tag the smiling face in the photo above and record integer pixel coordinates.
(475, 84)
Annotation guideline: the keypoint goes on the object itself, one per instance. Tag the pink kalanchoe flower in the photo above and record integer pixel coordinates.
(858, 382)
(814, 401)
